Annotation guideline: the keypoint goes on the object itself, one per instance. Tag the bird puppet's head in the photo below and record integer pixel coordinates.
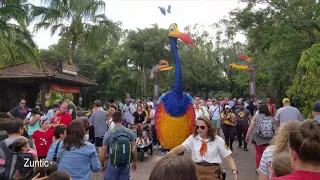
(175, 33)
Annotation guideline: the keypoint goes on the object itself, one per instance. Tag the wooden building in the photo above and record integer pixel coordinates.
(25, 80)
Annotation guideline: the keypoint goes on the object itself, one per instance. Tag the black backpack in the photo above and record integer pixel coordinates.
(15, 168)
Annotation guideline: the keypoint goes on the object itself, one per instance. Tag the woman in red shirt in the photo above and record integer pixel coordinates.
(304, 148)
(43, 138)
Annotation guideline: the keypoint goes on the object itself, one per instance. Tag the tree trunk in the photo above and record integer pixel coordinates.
(73, 48)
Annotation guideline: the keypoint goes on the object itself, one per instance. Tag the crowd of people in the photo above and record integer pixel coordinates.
(112, 135)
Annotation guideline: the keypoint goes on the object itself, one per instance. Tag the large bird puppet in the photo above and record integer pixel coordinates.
(175, 114)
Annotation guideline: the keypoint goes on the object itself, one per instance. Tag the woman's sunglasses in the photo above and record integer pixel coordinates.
(200, 127)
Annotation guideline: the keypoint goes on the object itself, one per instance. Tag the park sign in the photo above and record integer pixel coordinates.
(64, 89)
(156, 90)
(252, 88)
(70, 69)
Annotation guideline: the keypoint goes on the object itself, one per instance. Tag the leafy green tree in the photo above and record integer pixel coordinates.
(305, 88)
(276, 35)
(16, 44)
(76, 20)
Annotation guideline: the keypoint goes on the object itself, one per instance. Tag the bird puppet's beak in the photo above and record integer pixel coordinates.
(182, 36)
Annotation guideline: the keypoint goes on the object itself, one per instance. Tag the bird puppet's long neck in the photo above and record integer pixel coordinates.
(177, 87)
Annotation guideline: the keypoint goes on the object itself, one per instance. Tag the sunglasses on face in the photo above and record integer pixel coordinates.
(200, 127)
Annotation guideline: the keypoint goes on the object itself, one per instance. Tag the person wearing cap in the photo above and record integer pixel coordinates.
(228, 122)
(287, 113)
(316, 111)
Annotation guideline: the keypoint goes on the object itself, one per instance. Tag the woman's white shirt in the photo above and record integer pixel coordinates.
(215, 149)
(111, 124)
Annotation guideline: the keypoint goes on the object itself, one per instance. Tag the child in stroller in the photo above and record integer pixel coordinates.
(143, 139)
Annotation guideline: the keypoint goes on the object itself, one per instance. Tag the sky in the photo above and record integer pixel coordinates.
(142, 13)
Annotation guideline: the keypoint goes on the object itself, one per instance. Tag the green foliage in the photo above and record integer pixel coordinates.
(221, 94)
(78, 20)
(306, 84)
(56, 97)
(276, 35)
(16, 44)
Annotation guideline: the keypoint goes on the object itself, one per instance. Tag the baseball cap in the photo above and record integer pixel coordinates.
(316, 106)
(227, 106)
(284, 100)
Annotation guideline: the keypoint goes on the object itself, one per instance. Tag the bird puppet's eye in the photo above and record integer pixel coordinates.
(171, 28)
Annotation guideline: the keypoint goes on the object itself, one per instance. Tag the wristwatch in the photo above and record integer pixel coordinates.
(235, 171)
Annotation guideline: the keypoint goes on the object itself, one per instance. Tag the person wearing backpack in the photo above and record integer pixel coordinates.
(15, 130)
(119, 144)
(262, 128)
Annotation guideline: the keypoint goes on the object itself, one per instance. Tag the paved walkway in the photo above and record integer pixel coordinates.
(245, 161)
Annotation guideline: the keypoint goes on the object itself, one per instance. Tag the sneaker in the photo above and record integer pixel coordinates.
(146, 155)
(240, 146)
(245, 148)
(159, 147)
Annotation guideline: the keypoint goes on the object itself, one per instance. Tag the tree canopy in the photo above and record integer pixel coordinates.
(281, 38)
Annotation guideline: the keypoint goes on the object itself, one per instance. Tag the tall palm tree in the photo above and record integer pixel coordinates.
(77, 19)
(16, 41)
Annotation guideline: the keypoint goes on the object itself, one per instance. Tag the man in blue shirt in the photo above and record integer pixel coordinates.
(114, 172)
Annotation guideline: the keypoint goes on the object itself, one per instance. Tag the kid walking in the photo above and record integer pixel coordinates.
(43, 138)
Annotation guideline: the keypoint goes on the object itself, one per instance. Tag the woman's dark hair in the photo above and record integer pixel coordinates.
(75, 135)
(211, 130)
(140, 105)
(305, 141)
(107, 104)
(18, 144)
(59, 130)
(41, 122)
(174, 167)
(114, 106)
(35, 111)
(61, 175)
(56, 105)
(51, 167)
(263, 109)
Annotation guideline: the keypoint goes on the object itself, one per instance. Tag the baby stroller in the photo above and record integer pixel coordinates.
(144, 139)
